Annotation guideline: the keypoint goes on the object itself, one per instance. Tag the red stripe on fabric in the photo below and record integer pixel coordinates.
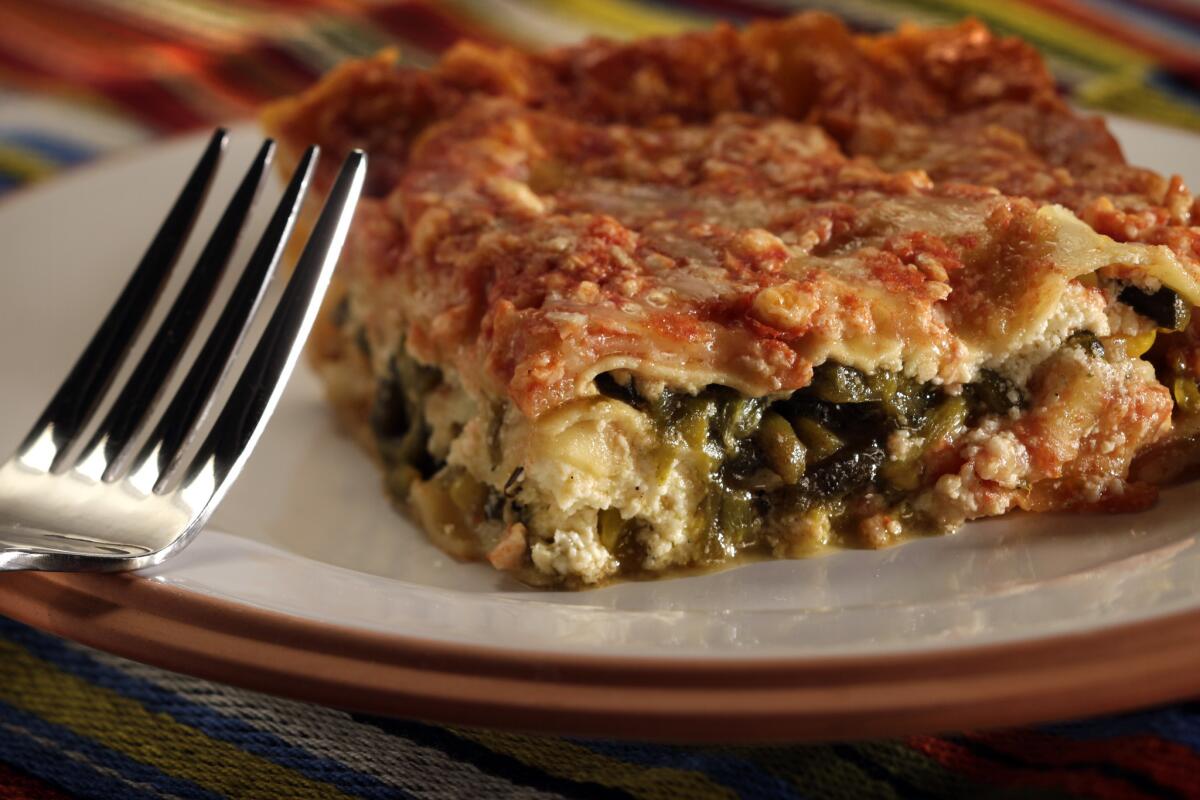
(1181, 10)
(741, 8)
(21, 65)
(1165, 762)
(958, 758)
(1177, 59)
(245, 81)
(16, 785)
(31, 76)
(87, 23)
(427, 26)
(279, 72)
(93, 45)
(153, 105)
(286, 63)
(144, 98)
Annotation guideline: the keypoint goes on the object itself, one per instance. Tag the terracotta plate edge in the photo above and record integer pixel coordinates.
(667, 699)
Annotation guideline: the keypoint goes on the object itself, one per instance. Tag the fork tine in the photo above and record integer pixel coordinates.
(254, 396)
(72, 405)
(191, 400)
(172, 337)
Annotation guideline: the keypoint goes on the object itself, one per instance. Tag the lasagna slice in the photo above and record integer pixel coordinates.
(622, 310)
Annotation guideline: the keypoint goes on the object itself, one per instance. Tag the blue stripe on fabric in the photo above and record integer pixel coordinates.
(1183, 89)
(91, 773)
(206, 720)
(740, 775)
(8, 183)
(1149, 20)
(494, 763)
(49, 146)
(1178, 724)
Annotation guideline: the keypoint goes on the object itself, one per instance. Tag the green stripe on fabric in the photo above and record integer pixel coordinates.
(354, 37)
(566, 759)
(36, 686)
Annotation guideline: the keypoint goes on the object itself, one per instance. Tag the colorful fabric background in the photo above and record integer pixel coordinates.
(76, 722)
(79, 80)
(89, 76)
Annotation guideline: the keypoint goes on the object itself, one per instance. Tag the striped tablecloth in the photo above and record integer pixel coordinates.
(79, 80)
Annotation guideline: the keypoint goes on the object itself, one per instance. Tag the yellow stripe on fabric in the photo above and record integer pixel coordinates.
(32, 684)
(520, 23)
(1127, 93)
(565, 759)
(624, 19)
(1044, 29)
(23, 165)
(209, 22)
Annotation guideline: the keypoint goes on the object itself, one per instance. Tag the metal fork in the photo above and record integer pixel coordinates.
(108, 510)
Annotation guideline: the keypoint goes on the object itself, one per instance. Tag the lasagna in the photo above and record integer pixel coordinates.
(624, 309)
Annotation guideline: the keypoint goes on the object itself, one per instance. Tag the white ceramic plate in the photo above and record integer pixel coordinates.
(307, 532)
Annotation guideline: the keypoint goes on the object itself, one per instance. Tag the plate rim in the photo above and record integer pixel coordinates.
(650, 698)
(679, 699)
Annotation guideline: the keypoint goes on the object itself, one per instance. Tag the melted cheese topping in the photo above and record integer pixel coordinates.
(637, 204)
(545, 250)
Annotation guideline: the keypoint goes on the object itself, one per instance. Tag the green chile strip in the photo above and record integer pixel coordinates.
(397, 421)
(1164, 306)
(824, 443)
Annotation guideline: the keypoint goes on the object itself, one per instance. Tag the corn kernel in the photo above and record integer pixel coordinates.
(1136, 346)
(1187, 394)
